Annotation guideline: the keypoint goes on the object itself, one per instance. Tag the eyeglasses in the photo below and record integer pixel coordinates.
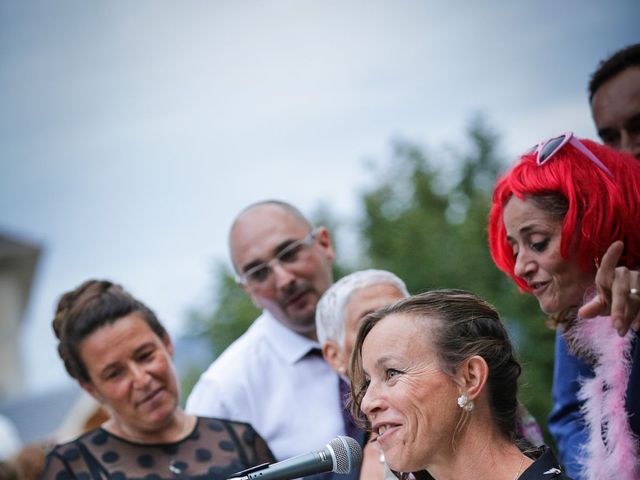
(548, 148)
(287, 256)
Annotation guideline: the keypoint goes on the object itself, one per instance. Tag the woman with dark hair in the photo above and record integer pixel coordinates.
(565, 226)
(119, 352)
(437, 379)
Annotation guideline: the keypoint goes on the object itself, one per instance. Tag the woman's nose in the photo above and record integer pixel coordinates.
(139, 375)
(371, 401)
(524, 265)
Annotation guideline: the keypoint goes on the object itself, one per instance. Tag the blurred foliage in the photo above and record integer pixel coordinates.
(233, 314)
(425, 219)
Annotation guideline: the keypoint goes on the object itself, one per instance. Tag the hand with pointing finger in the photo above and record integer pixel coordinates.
(618, 292)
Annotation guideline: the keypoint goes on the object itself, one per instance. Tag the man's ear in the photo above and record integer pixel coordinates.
(472, 376)
(324, 240)
(334, 356)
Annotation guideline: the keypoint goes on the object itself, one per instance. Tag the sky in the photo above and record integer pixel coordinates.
(131, 133)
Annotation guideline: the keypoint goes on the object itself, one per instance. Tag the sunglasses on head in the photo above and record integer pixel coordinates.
(548, 148)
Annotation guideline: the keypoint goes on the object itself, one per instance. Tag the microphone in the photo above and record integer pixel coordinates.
(340, 455)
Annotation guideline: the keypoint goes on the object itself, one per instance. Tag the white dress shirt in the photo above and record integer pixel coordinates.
(267, 379)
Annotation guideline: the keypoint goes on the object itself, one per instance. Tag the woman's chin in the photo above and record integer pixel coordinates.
(548, 308)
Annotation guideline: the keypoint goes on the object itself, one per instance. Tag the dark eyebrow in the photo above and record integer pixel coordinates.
(250, 265)
(143, 347)
(382, 360)
(606, 131)
(278, 248)
(632, 122)
(112, 365)
(103, 373)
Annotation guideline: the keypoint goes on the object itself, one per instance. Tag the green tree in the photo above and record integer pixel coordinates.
(232, 315)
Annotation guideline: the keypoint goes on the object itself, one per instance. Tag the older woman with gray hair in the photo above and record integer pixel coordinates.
(338, 316)
(345, 304)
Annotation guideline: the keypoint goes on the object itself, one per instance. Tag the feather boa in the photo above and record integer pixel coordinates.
(612, 450)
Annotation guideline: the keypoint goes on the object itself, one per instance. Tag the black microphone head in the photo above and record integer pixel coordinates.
(347, 453)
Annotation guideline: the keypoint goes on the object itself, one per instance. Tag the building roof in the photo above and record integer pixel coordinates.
(20, 257)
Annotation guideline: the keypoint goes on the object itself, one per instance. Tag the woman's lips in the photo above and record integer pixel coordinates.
(538, 287)
(150, 397)
(385, 430)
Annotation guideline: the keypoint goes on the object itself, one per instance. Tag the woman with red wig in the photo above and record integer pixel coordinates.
(565, 226)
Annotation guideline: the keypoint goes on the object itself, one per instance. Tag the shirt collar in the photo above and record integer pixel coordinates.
(291, 346)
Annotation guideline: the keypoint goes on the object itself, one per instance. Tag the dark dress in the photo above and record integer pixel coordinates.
(214, 450)
(544, 467)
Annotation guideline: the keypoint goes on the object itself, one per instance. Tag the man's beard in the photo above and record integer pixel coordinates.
(301, 323)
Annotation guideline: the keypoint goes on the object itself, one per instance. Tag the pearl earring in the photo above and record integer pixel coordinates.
(464, 403)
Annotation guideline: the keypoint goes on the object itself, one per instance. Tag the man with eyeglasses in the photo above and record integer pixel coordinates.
(274, 376)
(614, 97)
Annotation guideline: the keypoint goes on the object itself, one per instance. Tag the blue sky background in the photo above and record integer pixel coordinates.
(131, 132)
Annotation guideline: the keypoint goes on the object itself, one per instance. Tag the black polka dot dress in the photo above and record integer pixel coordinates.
(214, 450)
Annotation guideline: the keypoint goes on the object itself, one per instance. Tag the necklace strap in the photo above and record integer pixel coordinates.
(520, 467)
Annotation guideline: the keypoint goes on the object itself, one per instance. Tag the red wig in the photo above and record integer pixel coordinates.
(601, 209)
